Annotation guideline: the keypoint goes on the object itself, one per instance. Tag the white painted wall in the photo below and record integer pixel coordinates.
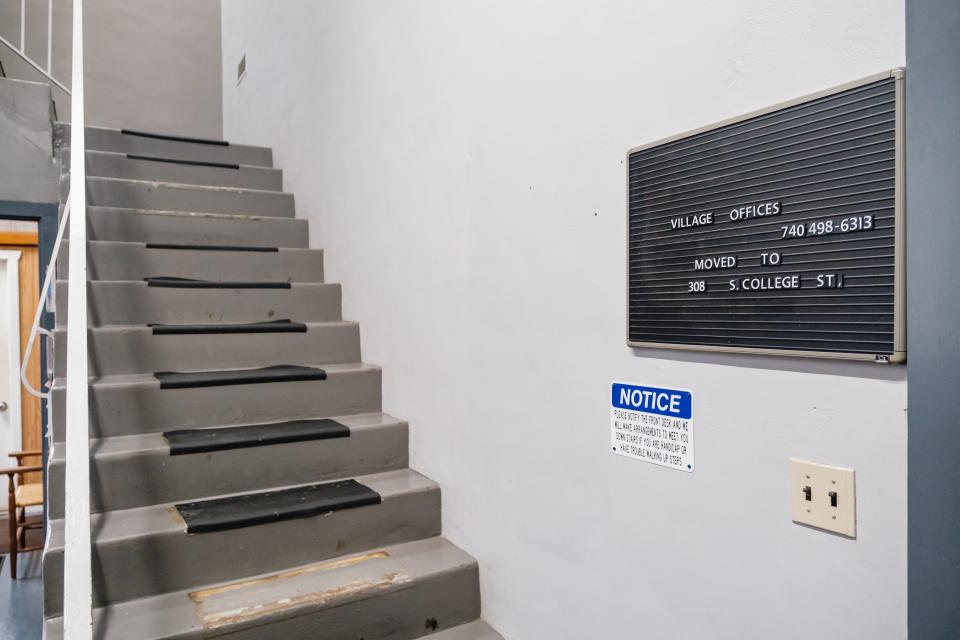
(462, 164)
(152, 65)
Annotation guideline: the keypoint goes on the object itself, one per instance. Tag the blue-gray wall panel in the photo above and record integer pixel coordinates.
(933, 205)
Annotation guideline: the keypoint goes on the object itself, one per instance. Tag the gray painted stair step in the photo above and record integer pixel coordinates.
(138, 470)
(145, 552)
(107, 164)
(395, 592)
(136, 349)
(171, 196)
(137, 260)
(105, 139)
(477, 630)
(132, 302)
(177, 227)
(131, 404)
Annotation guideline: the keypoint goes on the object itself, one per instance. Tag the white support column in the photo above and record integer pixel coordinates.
(78, 593)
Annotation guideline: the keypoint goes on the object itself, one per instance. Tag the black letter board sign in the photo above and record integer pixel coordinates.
(778, 232)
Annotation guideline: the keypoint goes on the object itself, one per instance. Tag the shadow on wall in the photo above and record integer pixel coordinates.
(827, 367)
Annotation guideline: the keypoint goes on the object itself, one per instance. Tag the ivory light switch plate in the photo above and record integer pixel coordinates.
(823, 496)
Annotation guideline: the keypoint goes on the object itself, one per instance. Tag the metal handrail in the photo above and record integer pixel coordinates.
(22, 49)
(44, 291)
(51, 267)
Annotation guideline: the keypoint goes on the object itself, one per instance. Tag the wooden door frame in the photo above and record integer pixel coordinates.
(47, 217)
(12, 260)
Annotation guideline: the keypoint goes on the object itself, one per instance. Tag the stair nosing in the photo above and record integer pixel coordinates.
(205, 248)
(194, 214)
(207, 378)
(339, 368)
(185, 247)
(100, 522)
(187, 186)
(124, 154)
(234, 145)
(147, 329)
(301, 283)
(153, 442)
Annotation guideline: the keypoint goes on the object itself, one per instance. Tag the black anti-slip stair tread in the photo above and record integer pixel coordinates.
(278, 373)
(211, 247)
(271, 326)
(192, 163)
(234, 512)
(190, 283)
(186, 441)
(163, 136)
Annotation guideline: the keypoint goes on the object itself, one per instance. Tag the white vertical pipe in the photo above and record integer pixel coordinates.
(49, 36)
(23, 27)
(77, 589)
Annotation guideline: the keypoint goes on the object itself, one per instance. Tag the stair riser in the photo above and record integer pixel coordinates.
(156, 477)
(113, 140)
(108, 192)
(121, 350)
(118, 165)
(449, 599)
(143, 566)
(136, 303)
(124, 409)
(126, 225)
(127, 261)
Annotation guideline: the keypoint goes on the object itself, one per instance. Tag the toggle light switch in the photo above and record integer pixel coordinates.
(823, 496)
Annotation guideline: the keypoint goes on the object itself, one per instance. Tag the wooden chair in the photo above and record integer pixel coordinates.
(21, 495)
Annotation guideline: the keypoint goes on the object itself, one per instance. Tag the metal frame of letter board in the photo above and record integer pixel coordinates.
(899, 260)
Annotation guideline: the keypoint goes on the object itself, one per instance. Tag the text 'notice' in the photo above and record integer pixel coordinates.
(652, 424)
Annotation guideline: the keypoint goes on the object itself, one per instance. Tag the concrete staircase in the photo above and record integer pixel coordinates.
(245, 482)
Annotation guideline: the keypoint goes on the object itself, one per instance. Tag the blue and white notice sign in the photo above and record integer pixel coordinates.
(653, 424)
